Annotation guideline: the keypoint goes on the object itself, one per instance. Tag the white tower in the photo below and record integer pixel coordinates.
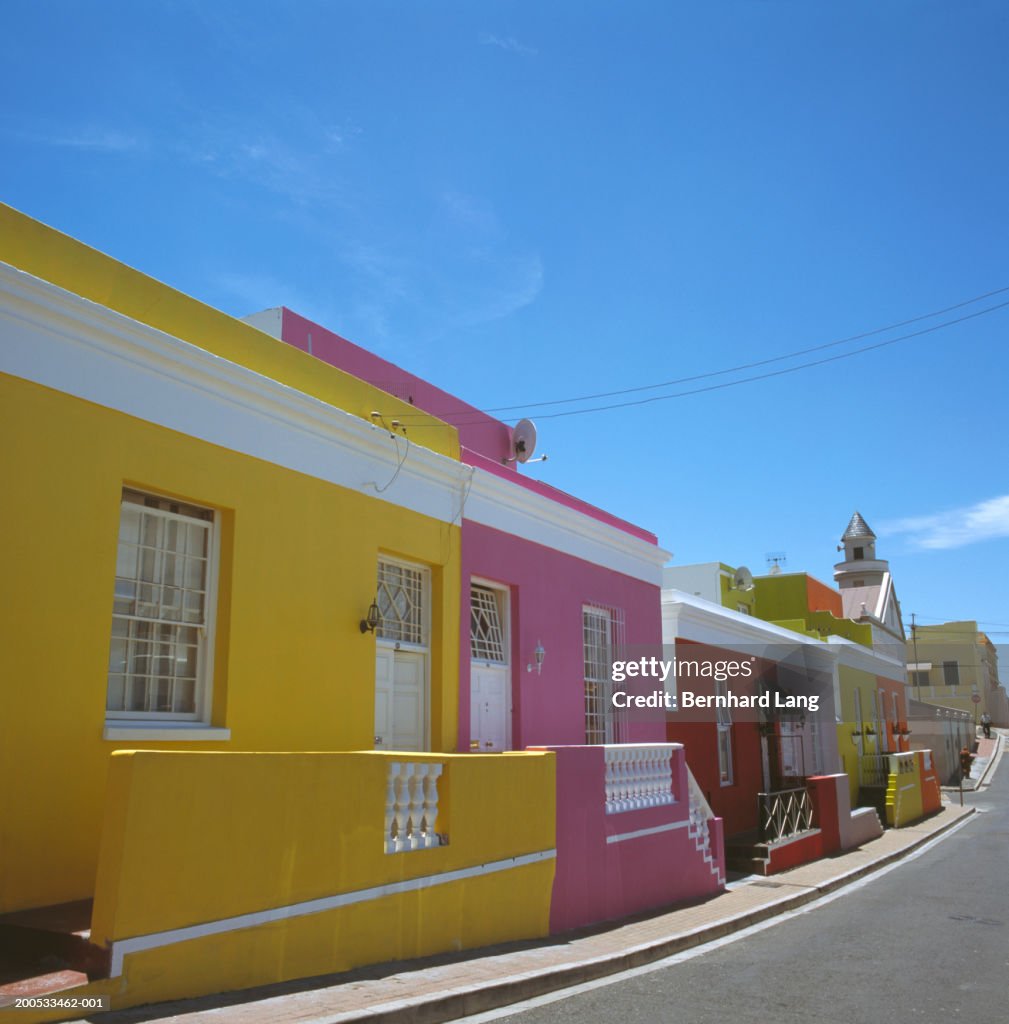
(861, 567)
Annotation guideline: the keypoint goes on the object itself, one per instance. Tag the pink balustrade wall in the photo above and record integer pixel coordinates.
(613, 865)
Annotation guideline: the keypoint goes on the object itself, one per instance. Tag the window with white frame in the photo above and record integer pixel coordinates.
(597, 644)
(401, 603)
(162, 612)
(723, 721)
(486, 635)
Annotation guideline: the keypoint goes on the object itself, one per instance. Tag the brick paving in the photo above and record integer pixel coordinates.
(447, 987)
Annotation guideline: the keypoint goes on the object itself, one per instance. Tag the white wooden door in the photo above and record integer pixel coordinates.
(400, 703)
(488, 707)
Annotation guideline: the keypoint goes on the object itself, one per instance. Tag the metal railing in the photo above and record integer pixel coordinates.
(784, 813)
(874, 770)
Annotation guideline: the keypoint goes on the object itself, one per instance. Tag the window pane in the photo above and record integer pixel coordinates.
(117, 688)
(161, 582)
(185, 696)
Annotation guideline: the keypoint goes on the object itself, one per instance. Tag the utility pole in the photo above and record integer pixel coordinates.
(914, 641)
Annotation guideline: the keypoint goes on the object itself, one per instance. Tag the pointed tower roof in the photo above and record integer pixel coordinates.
(858, 527)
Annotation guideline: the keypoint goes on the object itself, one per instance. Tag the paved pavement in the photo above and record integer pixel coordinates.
(923, 942)
(448, 987)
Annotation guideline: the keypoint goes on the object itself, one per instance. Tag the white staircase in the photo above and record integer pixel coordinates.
(699, 816)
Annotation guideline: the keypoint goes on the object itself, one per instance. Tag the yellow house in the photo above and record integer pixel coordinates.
(197, 520)
(955, 665)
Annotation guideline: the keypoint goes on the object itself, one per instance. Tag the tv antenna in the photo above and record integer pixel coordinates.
(775, 560)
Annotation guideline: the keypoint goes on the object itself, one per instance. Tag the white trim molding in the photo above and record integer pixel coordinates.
(510, 508)
(81, 348)
(161, 732)
(70, 344)
(121, 948)
(654, 830)
(865, 659)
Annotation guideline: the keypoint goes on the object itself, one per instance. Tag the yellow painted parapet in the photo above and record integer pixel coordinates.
(903, 790)
(48, 254)
(223, 871)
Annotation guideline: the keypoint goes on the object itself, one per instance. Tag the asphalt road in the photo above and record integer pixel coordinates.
(927, 942)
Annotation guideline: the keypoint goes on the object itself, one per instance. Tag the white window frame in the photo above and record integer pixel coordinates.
(162, 725)
(604, 684)
(723, 731)
(425, 610)
(502, 594)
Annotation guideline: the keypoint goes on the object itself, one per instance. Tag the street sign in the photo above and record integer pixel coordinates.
(976, 697)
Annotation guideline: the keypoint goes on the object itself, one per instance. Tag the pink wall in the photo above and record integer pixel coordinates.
(596, 880)
(548, 589)
(485, 440)
(477, 430)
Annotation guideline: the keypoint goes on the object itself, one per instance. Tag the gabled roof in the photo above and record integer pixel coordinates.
(858, 527)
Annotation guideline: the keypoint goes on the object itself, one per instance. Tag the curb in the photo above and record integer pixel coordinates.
(479, 999)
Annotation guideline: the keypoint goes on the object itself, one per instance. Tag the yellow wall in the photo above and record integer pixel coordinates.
(252, 832)
(850, 680)
(903, 791)
(291, 671)
(46, 253)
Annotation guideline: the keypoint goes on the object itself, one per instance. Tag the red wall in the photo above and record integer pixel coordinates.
(821, 598)
(736, 804)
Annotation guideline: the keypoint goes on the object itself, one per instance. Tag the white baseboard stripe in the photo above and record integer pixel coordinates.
(123, 947)
(622, 836)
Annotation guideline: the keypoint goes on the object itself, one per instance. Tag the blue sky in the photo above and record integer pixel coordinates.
(527, 201)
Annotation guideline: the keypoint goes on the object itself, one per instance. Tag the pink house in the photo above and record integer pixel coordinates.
(553, 584)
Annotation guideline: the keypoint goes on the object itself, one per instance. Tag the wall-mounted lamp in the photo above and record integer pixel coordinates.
(539, 654)
(374, 616)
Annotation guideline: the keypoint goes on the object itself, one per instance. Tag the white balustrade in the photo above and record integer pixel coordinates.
(699, 814)
(638, 775)
(411, 806)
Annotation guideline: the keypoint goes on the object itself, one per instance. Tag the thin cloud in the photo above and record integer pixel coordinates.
(987, 520)
(96, 139)
(507, 43)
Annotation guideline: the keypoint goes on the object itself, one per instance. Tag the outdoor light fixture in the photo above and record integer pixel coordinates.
(374, 615)
(539, 654)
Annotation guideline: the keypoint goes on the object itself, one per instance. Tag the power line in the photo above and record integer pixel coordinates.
(745, 380)
(759, 362)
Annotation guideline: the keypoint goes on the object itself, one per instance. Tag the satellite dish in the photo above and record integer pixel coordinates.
(523, 441)
(743, 580)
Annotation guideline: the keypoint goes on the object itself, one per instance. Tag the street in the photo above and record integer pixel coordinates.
(927, 941)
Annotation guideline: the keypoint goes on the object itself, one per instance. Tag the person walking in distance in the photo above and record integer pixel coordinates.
(986, 725)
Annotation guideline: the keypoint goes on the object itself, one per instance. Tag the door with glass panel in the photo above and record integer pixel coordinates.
(402, 657)
(490, 672)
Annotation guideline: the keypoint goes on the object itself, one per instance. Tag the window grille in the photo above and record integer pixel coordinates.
(486, 636)
(602, 634)
(160, 608)
(400, 600)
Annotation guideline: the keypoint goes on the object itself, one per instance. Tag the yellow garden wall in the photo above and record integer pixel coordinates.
(291, 669)
(904, 790)
(194, 838)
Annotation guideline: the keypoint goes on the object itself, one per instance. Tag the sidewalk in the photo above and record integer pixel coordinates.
(988, 754)
(447, 987)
